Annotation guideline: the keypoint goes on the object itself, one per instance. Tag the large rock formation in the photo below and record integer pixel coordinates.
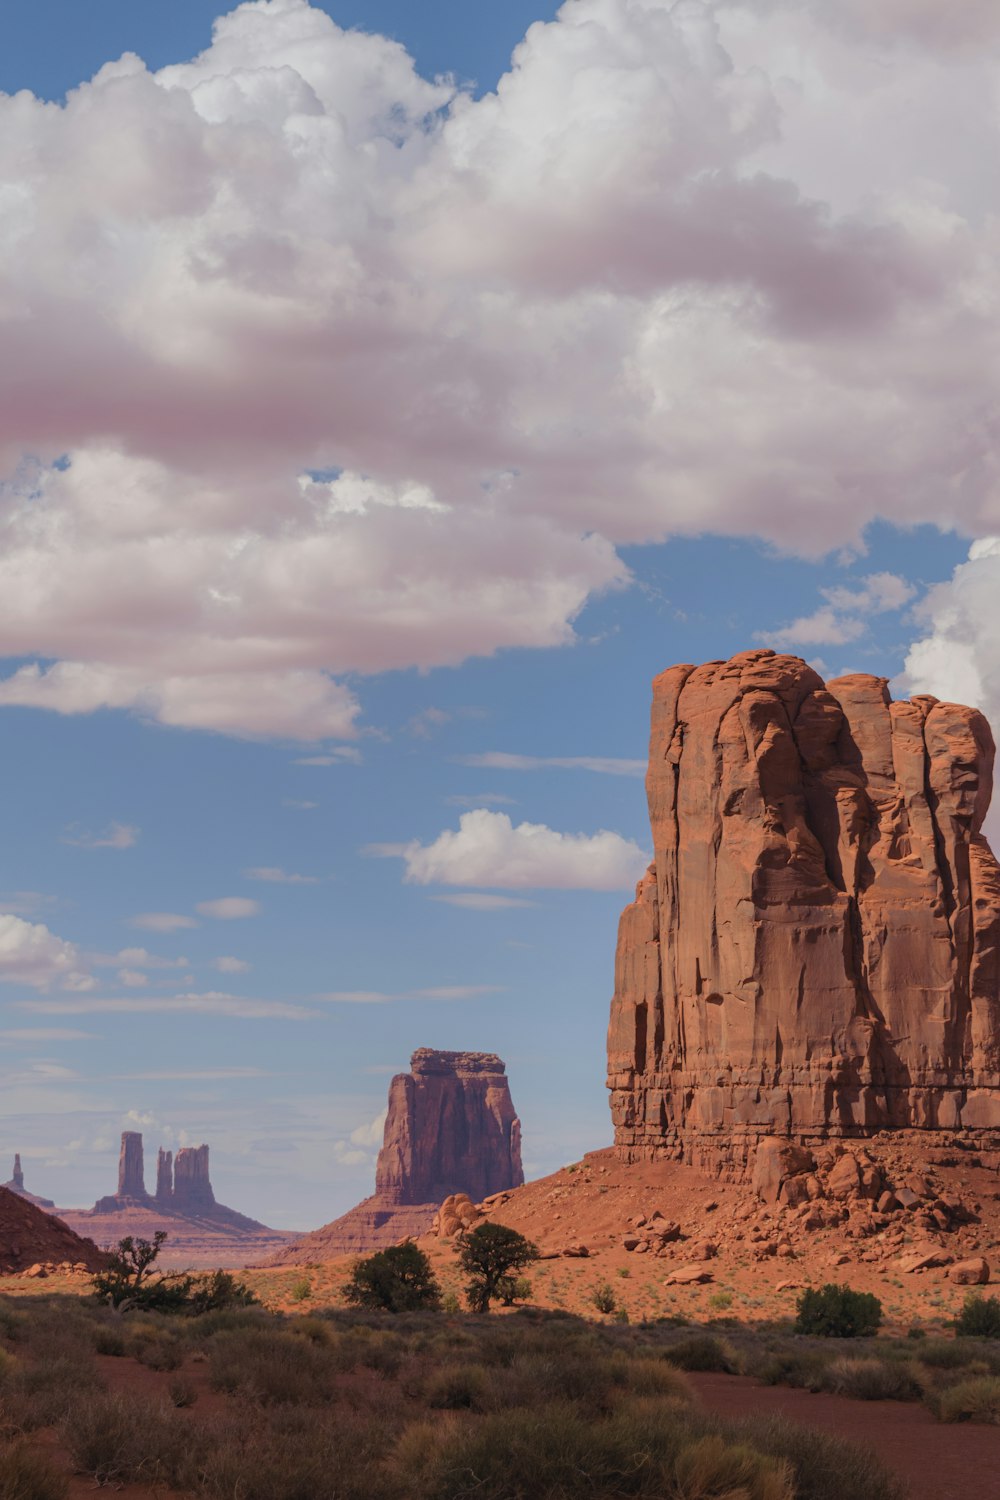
(199, 1230)
(31, 1237)
(815, 950)
(16, 1185)
(450, 1128)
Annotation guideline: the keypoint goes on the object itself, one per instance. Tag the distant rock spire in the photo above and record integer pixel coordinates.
(17, 1177)
(131, 1176)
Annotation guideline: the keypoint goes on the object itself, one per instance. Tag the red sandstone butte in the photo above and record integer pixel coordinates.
(815, 951)
(450, 1128)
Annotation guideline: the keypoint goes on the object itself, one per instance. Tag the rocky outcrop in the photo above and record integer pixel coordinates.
(199, 1230)
(30, 1237)
(16, 1185)
(815, 951)
(450, 1129)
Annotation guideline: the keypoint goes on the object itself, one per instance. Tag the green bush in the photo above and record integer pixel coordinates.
(603, 1298)
(220, 1292)
(872, 1379)
(837, 1312)
(301, 1291)
(979, 1318)
(489, 1256)
(396, 1280)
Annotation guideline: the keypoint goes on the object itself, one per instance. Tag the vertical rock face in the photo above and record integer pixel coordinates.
(164, 1176)
(450, 1128)
(192, 1188)
(17, 1176)
(815, 950)
(131, 1176)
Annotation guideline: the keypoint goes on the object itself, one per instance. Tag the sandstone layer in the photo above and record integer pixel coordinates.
(200, 1232)
(450, 1128)
(815, 950)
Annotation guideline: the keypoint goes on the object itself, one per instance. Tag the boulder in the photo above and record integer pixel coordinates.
(972, 1272)
(924, 1258)
(688, 1276)
(815, 950)
(775, 1162)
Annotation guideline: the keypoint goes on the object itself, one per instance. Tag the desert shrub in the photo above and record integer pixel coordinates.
(603, 1298)
(950, 1354)
(872, 1379)
(459, 1387)
(159, 1353)
(450, 1304)
(396, 1280)
(295, 1456)
(25, 1475)
(39, 1393)
(271, 1368)
(301, 1291)
(979, 1318)
(121, 1439)
(702, 1351)
(490, 1254)
(182, 1392)
(837, 1312)
(655, 1377)
(802, 1368)
(129, 1279)
(975, 1400)
(111, 1341)
(219, 1292)
(644, 1450)
(823, 1467)
(720, 1300)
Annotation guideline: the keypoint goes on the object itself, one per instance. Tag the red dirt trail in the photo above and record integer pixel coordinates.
(938, 1461)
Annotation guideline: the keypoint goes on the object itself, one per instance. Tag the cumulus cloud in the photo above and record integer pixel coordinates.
(229, 908)
(323, 368)
(31, 954)
(487, 849)
(274, 875)
(604, 765)
(226, 964)
(958, 656)
(115, 836)
(846, 614)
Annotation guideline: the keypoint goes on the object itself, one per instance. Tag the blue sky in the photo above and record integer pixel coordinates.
(565, 429)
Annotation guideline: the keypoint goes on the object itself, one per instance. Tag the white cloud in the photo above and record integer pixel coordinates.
(644, 287)
(136, 958)
(229, 908)
(958, 656)
(31, 954)
(162, 921)
(349, 753)
(132, 978)
(440, 992)
(482, 901)
(229, 965)
(488, 850)
(604, 765)
(115, 836)
(370, 1134)
(25, 903)
(845, 616)
(277, 876)
(211, 1003)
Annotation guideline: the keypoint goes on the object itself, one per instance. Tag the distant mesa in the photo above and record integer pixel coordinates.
(450, 1128)
(815, 951)
(16, 1185)
(200, 1231)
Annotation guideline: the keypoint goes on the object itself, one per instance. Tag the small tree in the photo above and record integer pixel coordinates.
(127, 1280)
(490, 1253)
(398, 1279)
(837, 1312)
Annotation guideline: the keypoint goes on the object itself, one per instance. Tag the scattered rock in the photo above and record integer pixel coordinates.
(972, 1272)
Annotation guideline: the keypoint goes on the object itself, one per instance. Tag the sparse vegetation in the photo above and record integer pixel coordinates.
(979, 1318)
(489, 1255)
(603, 1298)
(396, 1280)
(837, 1312)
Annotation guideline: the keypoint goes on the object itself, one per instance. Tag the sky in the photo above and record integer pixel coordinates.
(387, 393)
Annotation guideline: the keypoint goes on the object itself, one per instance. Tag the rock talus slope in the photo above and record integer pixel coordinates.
(450, 1128)
(815, 951)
